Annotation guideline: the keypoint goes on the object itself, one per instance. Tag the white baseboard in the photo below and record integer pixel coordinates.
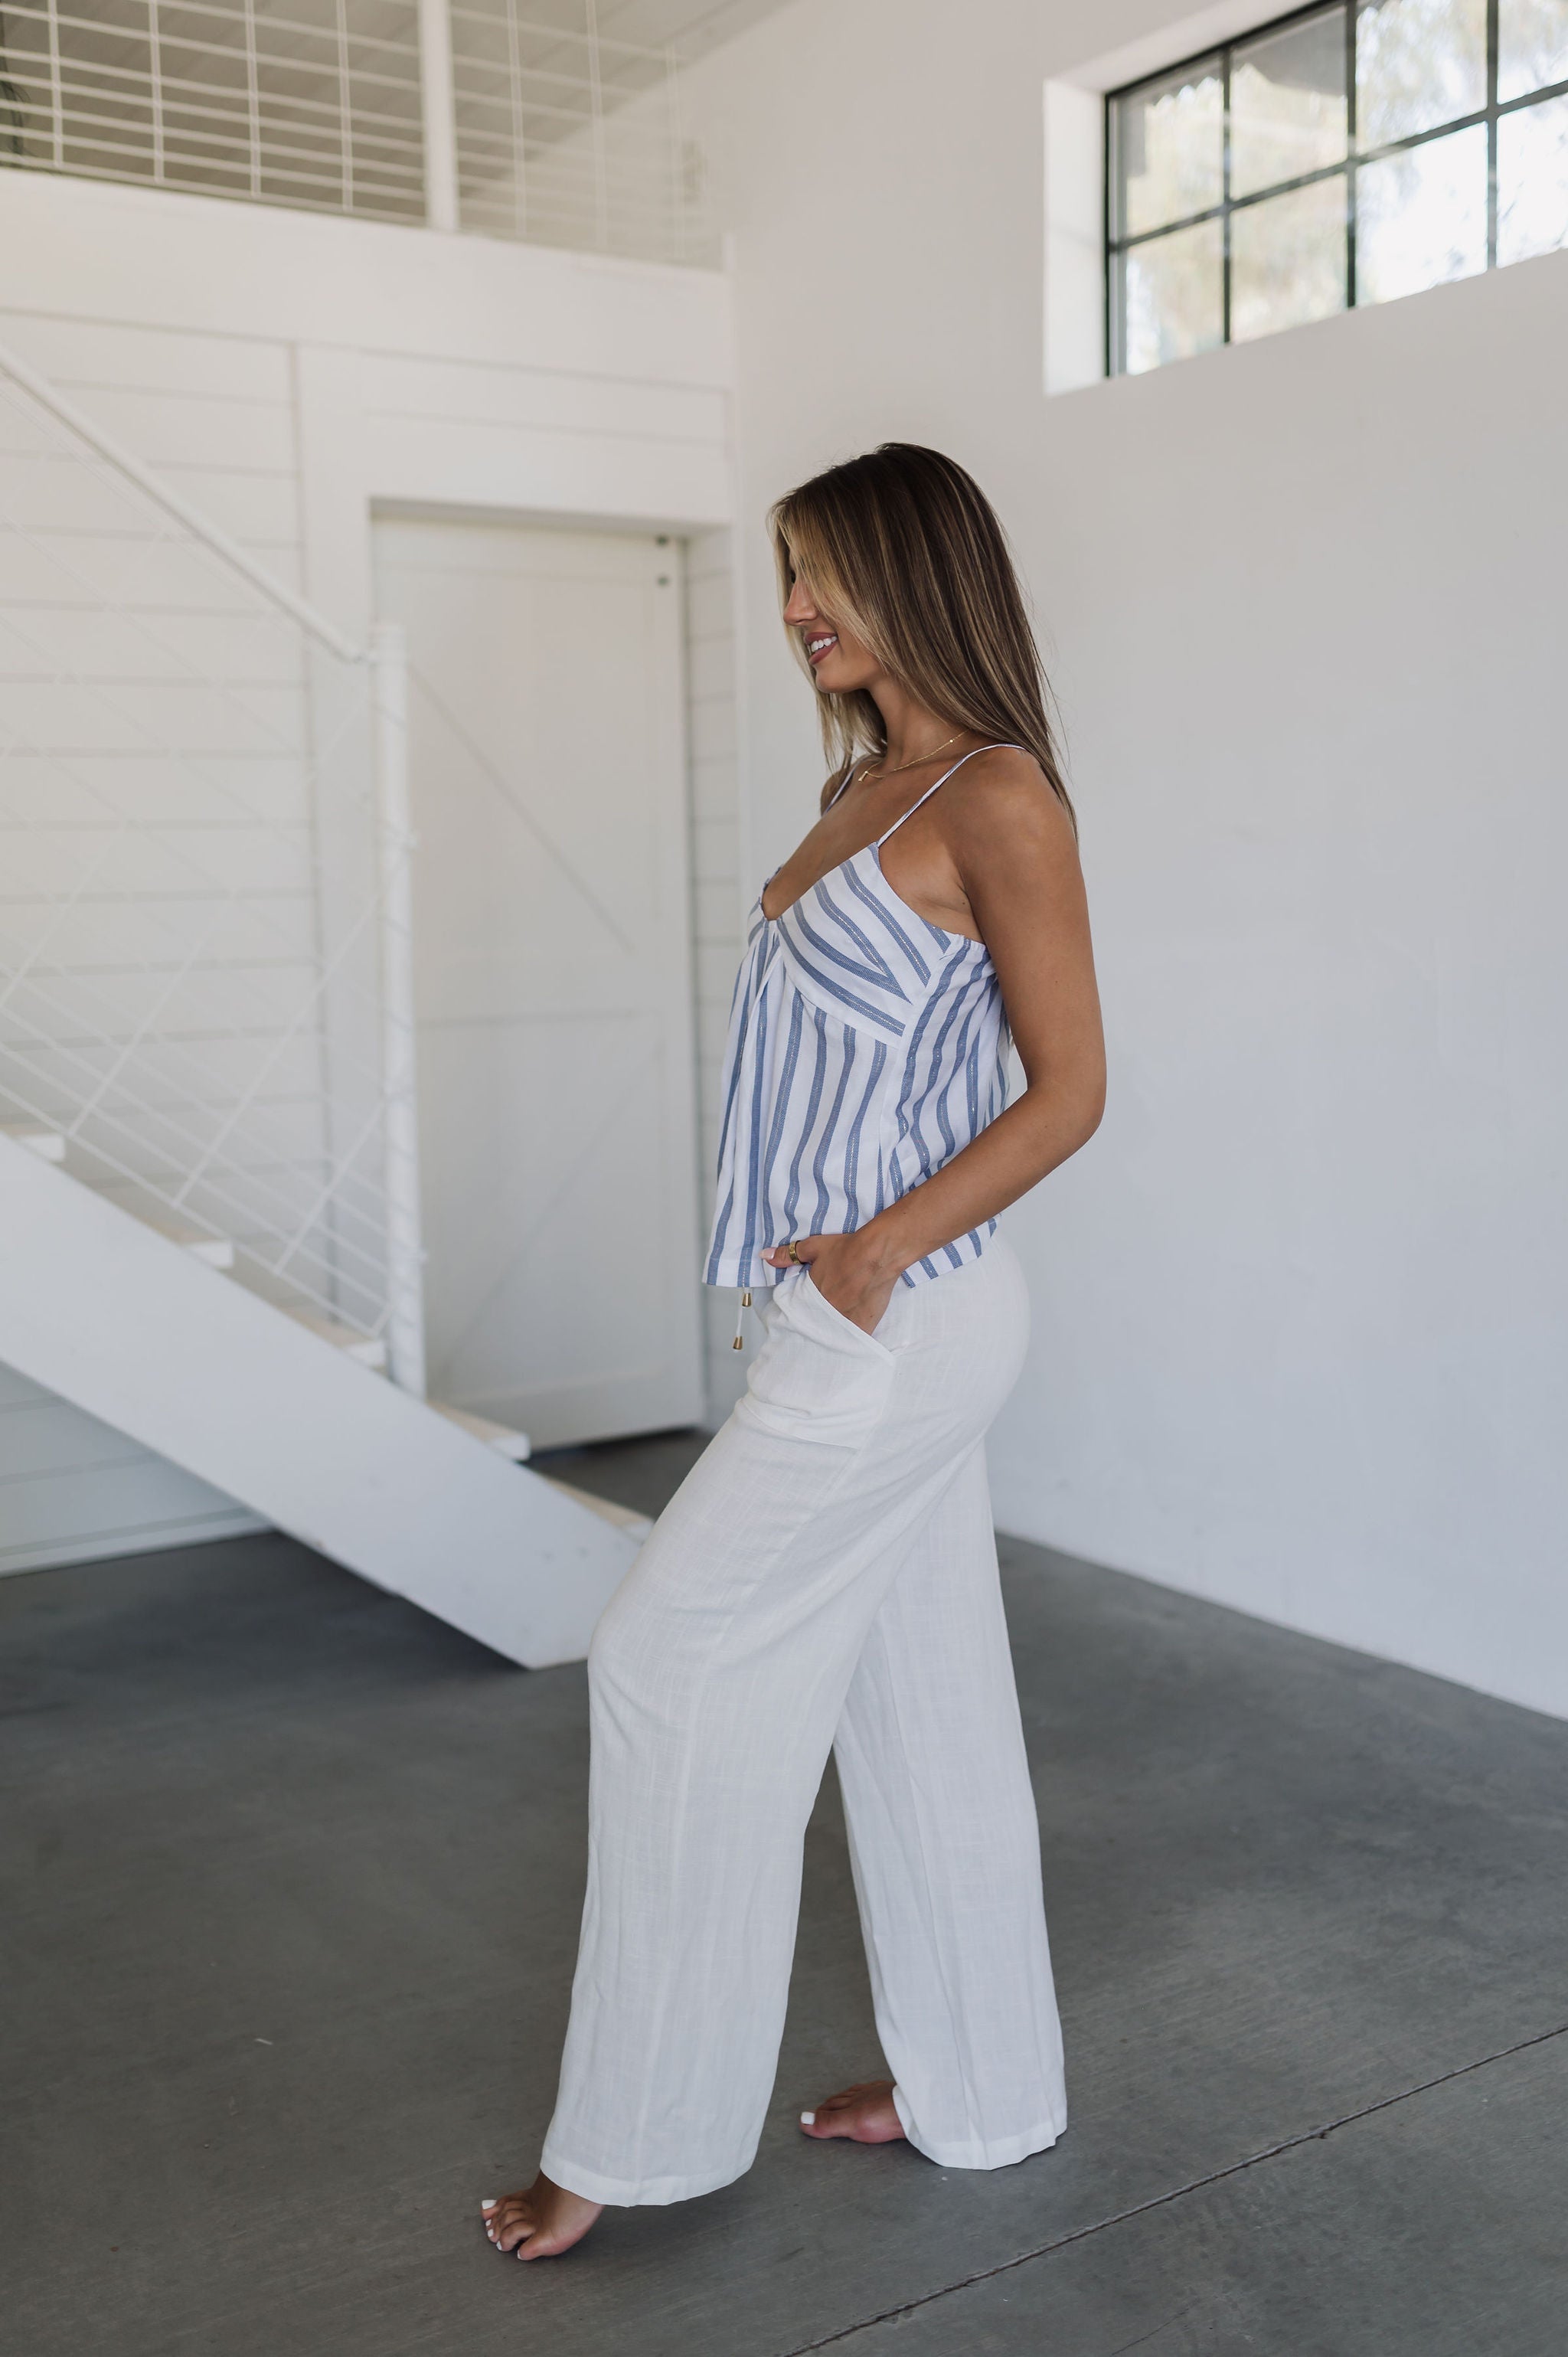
(190, 1531)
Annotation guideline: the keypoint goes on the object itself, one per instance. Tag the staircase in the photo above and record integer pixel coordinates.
(209, 1178)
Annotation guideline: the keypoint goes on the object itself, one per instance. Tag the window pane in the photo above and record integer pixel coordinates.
(1420, 216)
(1288, 260)
(1418, 63)
(1532, 46)
(1287, 103)
(1173, 297)
(1170, 147)
(1532, 180)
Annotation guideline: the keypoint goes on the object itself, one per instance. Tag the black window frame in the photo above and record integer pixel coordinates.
(1349, 165)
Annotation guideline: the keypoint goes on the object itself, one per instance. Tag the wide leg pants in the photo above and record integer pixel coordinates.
(824, 1579)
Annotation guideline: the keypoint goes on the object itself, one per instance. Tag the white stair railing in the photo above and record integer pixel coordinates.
(205, 888)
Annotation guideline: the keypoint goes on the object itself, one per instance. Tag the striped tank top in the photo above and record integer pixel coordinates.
(867, 1048)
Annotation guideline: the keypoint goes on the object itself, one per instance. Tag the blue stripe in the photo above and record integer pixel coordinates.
(954, 1073)
(972, 1086)
(878, 968)
(894, 927)
(917, 1039)
(737, 1064)
(800, 931)
(939, 1081)
(781, 1107)
(877, 1015)
(829, 1126)
(852, 1147)
(755, 1173)
(721, 1225)
(740, 1031)
(793, 1195)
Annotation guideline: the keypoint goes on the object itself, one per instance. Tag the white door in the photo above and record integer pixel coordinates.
(553, 972)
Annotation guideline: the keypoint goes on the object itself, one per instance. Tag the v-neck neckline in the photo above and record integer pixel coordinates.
(874, 847)
(948, 940)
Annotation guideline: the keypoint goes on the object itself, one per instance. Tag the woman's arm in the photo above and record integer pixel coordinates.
(1013, 862)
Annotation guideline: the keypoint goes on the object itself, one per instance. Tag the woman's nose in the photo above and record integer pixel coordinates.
(800, 609)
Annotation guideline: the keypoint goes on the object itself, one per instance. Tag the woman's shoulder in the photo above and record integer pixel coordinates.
(1003, 765)
(1002, 789)
(834, 785)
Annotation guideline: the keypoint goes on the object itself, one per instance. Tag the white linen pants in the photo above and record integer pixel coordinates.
(824, 1579)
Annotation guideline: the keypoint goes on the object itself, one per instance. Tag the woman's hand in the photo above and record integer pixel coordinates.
(852, 1273)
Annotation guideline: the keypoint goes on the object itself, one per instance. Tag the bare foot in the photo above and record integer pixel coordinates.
(864, 2113)
(540, 2223)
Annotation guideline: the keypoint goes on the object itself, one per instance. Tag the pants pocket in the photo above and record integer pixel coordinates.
(818, 1377)
(817, 1301)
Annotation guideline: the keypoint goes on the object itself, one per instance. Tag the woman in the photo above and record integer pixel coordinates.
(826, 1575)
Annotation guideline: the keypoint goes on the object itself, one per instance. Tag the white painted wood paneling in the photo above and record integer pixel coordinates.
(216, 413)
(91, 353)
(451, 391)
(208, 266)
(114, 792)
(73, 1489)
(286, 372)
(440, 462)
(185, 427)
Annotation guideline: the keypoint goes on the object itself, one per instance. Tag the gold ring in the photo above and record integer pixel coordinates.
(795, 1255)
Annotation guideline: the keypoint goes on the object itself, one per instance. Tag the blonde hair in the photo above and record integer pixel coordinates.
(904, 549)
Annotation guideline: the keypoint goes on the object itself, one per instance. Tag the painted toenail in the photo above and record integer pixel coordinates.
(808, 2119)
(487, 2205)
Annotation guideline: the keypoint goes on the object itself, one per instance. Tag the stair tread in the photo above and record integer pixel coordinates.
(38, 1138)
(217, 1251)
(626, 1518)
(501, 1437)
(370, 1349)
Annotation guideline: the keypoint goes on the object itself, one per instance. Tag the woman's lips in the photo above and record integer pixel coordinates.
(821, 643)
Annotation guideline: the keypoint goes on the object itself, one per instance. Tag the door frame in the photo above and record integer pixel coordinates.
(699, 1084)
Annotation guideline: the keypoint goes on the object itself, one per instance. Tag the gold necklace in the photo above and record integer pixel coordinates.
(868, 779)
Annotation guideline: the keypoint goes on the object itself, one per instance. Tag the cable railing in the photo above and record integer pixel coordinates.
(314, 103)
(205, 894)
(468, 114)
(567, 137)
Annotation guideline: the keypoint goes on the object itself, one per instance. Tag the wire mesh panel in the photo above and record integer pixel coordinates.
(193, 883)
(564, 137)
(567, 138)
(312, 103)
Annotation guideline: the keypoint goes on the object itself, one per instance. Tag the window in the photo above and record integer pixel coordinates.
(1340, 155)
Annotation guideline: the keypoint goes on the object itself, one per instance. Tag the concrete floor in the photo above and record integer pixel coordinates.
(292, 1877)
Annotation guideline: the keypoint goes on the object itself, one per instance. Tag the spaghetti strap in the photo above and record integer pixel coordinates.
(943, 782)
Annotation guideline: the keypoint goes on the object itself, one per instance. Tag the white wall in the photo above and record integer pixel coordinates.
(288, 372)
(1301, 1304)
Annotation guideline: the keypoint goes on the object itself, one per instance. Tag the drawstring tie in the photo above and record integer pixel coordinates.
(739, 1342)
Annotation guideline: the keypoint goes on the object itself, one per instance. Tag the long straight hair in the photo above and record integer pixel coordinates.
(903, 548)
